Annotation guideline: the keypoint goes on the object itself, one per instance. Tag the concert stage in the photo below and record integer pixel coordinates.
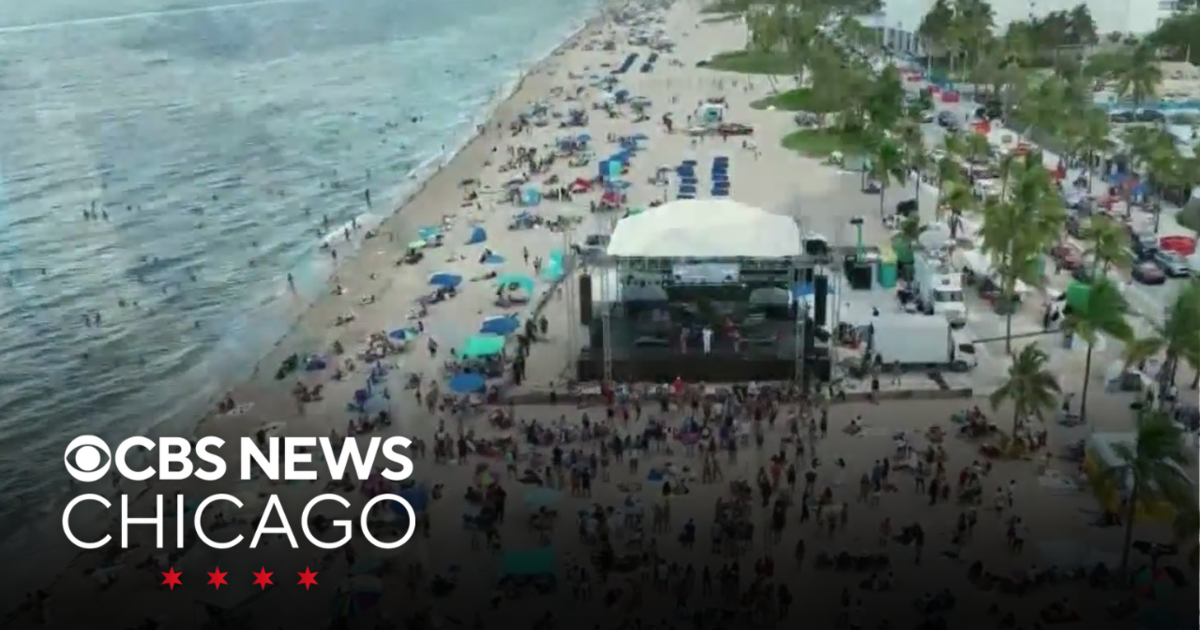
(768, 356)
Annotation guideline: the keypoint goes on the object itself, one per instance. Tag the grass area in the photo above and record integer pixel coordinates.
(721, 6)
(822, 142)
(797, 100)
(751, 62)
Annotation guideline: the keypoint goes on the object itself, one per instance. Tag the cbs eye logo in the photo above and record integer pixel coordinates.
(87, 459)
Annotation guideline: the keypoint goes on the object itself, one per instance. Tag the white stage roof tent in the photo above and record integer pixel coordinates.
(705, 228)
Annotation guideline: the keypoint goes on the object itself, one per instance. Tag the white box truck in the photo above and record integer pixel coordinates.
(917, 341)
(938, 289)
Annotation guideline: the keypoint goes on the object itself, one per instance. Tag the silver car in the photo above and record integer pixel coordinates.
(1172, 263)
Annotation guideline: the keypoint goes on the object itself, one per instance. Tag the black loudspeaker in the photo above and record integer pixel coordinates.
(860, 277)
(585, 299)
(820, 298)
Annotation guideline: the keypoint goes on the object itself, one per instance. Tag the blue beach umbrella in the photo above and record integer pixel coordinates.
(445, 279)
(502, 325)
(466, 383)
(403, 334)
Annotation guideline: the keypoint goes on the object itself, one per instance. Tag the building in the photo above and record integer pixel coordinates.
(900, 19)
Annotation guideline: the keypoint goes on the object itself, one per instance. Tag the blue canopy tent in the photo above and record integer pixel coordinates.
(523, 282)
(719, 192)
(538, 498)
(500, 325)
(445, 279)
(478, 235)
(467, 383)
(689, 162)
(529, 562)
(404, 334)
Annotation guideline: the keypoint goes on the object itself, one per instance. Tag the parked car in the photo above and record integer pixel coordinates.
(946, 118)
(1148, 273)
(1121, 117)
(1172, 263)
(1144, 246)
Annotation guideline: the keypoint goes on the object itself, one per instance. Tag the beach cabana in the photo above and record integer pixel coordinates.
(482, 346)
(500, 325)
(509, 281)
(445, 279)
(478, 235)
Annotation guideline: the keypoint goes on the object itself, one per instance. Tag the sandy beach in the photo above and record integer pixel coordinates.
(379, 294)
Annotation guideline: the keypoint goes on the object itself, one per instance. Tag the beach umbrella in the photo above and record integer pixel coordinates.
(466, 383)
(358, 595)
(403, 334)
(445, 279)
(584, 137)
(429, 233)
(417, 245)
(494, 259)
(502, 325)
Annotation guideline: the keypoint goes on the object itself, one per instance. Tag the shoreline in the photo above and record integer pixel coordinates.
(471, 155)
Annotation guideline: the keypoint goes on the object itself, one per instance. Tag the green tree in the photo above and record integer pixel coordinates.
(1030, 386)
(1107, 244)
(888, 165)
(1093, 138)
(1103, 314)
(1139, 76)
(1176, 336)
(1149, 471)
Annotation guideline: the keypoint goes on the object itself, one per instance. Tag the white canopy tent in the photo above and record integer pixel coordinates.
(705, 228)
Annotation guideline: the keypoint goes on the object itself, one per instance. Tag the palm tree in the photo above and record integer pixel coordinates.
(888, 165)
(1149, 471)
(960, 200)
(1019, 227)
(1175, 336)
(1103, 314)
(1093, 139)
(1030, 387)
(1107, 244)
(913, 139)
(1139, 76)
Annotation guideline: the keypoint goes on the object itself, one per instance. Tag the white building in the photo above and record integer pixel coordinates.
(900, 19)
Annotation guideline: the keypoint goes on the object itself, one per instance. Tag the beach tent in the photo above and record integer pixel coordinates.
(708, 228)
(522, 281)
(528, 562)
(429, 233)
(478, 235)
(500, 325)
(530, 195)
(710, 113)
(403, 334)
(467, 383)
(445, 279)
(478, 346)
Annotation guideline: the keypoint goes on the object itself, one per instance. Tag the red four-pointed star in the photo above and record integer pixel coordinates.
(217, 578)
(171, 578)
(262, 578)
(307, 578)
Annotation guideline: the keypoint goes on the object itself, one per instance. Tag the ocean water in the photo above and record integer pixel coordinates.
(215, 137)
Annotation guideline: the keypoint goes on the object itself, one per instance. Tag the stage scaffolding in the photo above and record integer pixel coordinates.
(752, 271)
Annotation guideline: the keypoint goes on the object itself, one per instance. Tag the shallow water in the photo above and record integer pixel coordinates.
(216, 137)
